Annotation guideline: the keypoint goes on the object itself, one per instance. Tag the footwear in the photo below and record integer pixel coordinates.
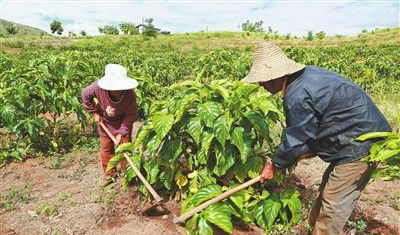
(107, 181)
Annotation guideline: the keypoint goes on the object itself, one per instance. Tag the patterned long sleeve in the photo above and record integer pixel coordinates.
(130, 116)
(88, 95)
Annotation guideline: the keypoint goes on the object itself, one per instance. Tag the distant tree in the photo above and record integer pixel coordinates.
(320, 35)
(270, 31)
(56, 27)
(364, 31)
(83, 33)
(287, 36)
(310, 36)
(128, 28)
(109, 30)
(149, 29)
(71, 34)
(11, 29)
(252, 27)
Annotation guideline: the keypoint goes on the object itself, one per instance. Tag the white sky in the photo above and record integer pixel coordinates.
(295, 17)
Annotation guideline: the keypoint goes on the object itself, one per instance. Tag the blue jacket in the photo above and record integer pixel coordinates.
(324, 113)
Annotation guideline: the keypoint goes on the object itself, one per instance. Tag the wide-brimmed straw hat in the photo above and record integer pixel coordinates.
(116, 78)
(270, 63)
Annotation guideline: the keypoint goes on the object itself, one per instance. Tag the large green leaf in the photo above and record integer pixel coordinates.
(170, 150)
(125, 147)
(245, 89)
(204, 228)
(195, 128)
(154, 144)
(209, 111)
(191, 225)
(222, 127)
(202, 155)
(291, 199)
(225, 159)
(258, 122)
(220, 215)
(238, 199)
(203, 194)
(113, 162)
(151, 168)
(385, 154)
(163, 122)
(167, 178)
(239, 171)
(129, 172)
(272, 206)
(143, 136)
(242, 141)
(184, 105)
(260, 217)
(220, 89)
(254, 165)
(375, 135)
(199, 179)
(7, 114)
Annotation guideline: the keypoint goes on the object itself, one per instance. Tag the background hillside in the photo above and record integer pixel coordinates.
(20, 30)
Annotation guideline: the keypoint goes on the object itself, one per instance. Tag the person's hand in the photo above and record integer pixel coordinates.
(268, 172)
(118, 138)
(97, 118)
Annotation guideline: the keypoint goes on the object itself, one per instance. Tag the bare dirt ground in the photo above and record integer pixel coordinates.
(68, 200)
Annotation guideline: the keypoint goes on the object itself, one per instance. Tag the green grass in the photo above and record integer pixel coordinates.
(10, 200)
(200, 40)
(48, 209)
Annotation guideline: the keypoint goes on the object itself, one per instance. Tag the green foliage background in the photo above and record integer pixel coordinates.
(41, 112)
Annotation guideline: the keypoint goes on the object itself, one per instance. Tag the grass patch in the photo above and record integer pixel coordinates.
(13, 197)
(108, 197)
(359, 225)
(48, 209)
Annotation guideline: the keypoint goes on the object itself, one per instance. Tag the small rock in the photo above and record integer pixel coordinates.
(32, 214)
(55, 218)
(165, 217)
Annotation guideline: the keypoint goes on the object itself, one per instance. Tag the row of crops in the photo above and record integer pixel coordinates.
(204, 131)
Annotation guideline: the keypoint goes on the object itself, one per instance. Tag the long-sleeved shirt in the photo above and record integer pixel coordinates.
(325, 112)
(117, 116)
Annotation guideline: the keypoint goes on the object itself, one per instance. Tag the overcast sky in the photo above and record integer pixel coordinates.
(296, 17)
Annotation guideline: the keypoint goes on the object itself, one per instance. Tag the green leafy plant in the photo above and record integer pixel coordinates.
(205, 136)
(254, 205)
(386, 151)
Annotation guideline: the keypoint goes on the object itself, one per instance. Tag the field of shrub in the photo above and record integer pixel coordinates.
(203, 130)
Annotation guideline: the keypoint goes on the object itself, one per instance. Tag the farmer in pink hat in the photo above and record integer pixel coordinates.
(325, 112)
(111, 100)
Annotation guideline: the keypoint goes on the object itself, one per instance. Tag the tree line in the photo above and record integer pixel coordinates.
(147, 29)
(257, 26)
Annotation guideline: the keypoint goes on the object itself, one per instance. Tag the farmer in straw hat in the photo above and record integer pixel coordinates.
(116, 108)
(324, 113)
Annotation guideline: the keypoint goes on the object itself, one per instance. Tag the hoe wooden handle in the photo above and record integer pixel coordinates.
(155, 195)
(184, 217)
